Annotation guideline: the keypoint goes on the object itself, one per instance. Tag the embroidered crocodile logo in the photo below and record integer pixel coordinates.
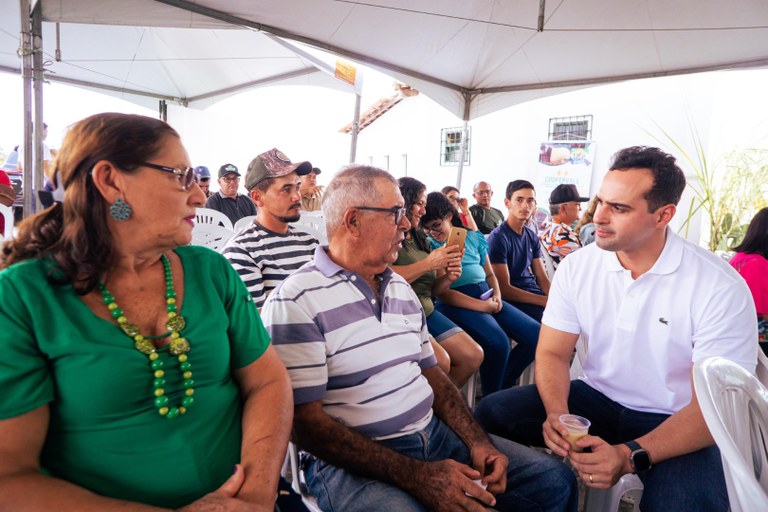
(663, 320)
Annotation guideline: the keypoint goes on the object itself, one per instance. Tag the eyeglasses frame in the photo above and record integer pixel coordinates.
(181, 174)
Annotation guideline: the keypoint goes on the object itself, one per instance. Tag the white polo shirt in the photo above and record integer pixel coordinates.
(643, 335)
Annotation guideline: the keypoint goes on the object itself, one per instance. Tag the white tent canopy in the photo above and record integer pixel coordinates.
(471, 56)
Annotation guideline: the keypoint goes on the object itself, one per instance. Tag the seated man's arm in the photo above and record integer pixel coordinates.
(723, 326)
(537, 267)
(249, 270)
(553, 380)
(451, 408)
(435, 484)
(512, 293)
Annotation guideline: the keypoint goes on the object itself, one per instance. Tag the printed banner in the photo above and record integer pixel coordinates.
(560, 162)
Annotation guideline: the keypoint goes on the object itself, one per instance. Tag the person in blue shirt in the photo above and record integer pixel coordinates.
(491, 322)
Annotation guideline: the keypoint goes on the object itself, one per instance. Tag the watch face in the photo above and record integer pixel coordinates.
(641, 461)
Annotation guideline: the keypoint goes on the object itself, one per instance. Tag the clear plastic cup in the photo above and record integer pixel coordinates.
(577, 426)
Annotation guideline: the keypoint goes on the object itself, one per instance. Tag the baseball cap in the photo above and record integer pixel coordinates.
(565, 194)
(228, 169)
(272, 164)
(202, 172)
(316, 170)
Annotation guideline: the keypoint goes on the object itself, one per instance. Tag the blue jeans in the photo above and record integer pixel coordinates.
(501, 366)
(535, 481)
(693, 481)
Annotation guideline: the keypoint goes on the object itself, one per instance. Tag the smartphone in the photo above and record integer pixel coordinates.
(457, 237)
(487, 294)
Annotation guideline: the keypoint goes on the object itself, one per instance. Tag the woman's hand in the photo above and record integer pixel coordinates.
(464, 205)
(444, 257)
(223, 499)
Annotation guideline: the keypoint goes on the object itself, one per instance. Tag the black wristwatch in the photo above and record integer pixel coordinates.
(638, 457)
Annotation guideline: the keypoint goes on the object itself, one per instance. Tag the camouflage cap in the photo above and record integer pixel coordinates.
(272, 164)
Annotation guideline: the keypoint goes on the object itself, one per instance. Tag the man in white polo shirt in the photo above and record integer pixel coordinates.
(385, 427)
(648, 304)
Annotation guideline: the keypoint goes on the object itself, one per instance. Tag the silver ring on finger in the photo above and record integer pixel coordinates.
(590, 479)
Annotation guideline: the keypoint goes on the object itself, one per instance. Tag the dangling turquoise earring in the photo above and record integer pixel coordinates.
(120, 210)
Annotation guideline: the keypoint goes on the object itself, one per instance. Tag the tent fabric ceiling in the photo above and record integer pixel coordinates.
(486, 51)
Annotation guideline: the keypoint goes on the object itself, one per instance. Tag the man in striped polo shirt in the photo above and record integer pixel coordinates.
(269, 249)
(385, 427)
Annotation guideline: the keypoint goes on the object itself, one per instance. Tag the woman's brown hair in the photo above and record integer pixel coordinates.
(74, 234)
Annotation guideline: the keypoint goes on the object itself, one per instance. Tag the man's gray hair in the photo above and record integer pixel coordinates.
(554, 209)
(352, 186)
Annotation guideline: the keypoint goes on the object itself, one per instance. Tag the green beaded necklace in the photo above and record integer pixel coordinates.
(178, 346)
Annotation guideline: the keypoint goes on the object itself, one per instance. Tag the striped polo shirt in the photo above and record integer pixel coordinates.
(264, 258)
(362, 357)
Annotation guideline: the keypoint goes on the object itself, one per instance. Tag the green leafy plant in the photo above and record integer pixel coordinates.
(728, 193)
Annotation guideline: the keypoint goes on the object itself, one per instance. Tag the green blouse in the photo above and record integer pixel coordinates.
(422, 286)
(105, 433)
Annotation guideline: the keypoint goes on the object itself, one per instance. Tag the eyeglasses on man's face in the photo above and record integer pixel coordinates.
(230, 179)
(185, 175)
(397, 211)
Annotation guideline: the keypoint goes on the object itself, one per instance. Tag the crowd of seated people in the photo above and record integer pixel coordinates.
(130, 355)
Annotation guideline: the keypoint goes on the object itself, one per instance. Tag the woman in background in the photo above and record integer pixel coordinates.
(492, 321)
(461, 205)
(585, 228)
(751, 261)
(431, 273)
(135, 370)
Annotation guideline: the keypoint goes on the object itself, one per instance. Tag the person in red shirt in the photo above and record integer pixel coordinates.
(7, 197)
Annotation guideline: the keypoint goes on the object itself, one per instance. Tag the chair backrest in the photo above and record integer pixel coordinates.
(245, 221)
(314, 225)
(212, 217)
(211, 235)
(762, 367)
(735, 406)
(549, 263)
(7, 213)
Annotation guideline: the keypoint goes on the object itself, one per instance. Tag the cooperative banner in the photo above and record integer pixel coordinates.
(563, 162)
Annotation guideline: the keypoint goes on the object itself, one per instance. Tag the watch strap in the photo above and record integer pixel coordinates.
(644, 458)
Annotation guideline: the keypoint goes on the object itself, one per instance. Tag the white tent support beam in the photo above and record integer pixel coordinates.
(93, 85)
(254, 83)
(355, 129)
(468, 99)
(242, 22)
(621, 78)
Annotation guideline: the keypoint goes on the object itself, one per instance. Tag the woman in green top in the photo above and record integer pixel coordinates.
(135, 371)
(431, 273)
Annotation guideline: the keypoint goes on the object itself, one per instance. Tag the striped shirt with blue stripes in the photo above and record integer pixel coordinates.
(360, 356)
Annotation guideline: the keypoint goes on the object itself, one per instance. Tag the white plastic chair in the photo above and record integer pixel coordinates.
(212, 217)
(313, 224)
(243, 222)
(211, 235)
(546, 258)
(735, 406)
(762, 368)
(298, 482)
(629, 487)
(7, 213)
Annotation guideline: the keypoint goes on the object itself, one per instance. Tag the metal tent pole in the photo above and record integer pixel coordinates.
(37, 62)
(25, 40)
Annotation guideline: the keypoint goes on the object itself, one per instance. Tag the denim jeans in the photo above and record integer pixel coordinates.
(501, 366)
(535, 481)
(693, 481)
